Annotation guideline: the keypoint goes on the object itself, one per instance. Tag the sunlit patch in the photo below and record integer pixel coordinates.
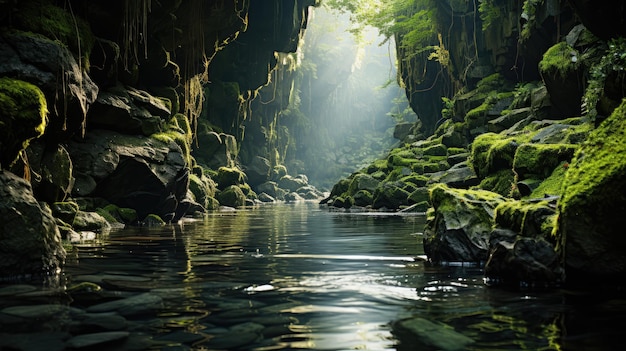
(259, 288)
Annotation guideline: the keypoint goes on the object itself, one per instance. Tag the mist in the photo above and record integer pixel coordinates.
(349, 94)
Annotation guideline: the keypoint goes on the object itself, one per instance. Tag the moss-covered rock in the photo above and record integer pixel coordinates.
(363, 198)
(459, 227)
(362, 181)
(527, 218)
(540, 160)
(93, 221)
(227, 176)
(232, 196)
(560, 70)
(57, 24)
(23, 111)
(592, 206)
(492, 152)
(390, 195)
(501, 182)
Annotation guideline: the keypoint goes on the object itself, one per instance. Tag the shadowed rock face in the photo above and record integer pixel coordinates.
(31, 243)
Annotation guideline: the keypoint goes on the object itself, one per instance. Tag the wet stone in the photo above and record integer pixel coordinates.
(132, 305)
(104, 321)
(93, 339)
(248, 327)
(232, 340)
(181, 336)
(36, 311)
(13, 290)
(49, 341)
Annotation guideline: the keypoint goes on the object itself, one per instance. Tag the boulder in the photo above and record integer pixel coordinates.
(232, 196)
(290, 183)
(591, 209)
(145, 174)
(214, 149)
(51, 172)
(258, 170)
(390, 195)
(562, 74)
(23, 117)
(129, 111)
(227, 176)
(459, 227)
(41, 61)
(31, 242)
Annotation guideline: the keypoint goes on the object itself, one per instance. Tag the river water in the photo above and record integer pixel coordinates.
(293, 276)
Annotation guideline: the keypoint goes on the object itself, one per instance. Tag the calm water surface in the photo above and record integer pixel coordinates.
(300, 277)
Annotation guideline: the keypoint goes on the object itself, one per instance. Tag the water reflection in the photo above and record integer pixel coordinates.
(298, 277)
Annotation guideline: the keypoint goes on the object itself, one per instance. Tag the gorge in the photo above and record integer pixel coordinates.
(499, 123)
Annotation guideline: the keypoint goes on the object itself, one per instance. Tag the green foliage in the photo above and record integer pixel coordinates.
(489, 12)
(529, 9)
(613, 61)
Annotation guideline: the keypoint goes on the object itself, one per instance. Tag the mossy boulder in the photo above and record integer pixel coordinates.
(363, 198)
(23, 111)
(591, 209)
(459, 227)
(291, 183)
(390, 195)
(540, 160)
(501, 182)
(232, 196)
(362, 181)
(492, 152)
(227, 176)
(92, 221)
(562, 74)
(529, 218)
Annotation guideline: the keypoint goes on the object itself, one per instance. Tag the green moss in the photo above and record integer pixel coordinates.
(227, 176)
(526, 218)
(501, 182)
(456, 150)
(553, 184)
(23, 117)
(180, 139)
(107, 215)
(559, 60)
(600, 162)
(415, 179)
(436, 150)
(539, 160)
(492, 152)
(56, 23)
(445, 199)
(232, 196)
(363, 198)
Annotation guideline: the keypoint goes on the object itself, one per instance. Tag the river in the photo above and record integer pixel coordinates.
(291, 276)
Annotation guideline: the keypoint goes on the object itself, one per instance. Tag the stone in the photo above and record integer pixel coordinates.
(263, 197)
(591, 208)
(390, 195)
(145, 174)
(227, 176)
(23, 117)
(258, 170)
(458, 176)
(459, 228)
(90, 221)
(402, 130)
(42, 61)
(31, 241)
(142, 303)
(290, 183)
(508, 120)
(525, 262)
(432, 334)
(95, 339)
(231, 196)
(36, 311)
